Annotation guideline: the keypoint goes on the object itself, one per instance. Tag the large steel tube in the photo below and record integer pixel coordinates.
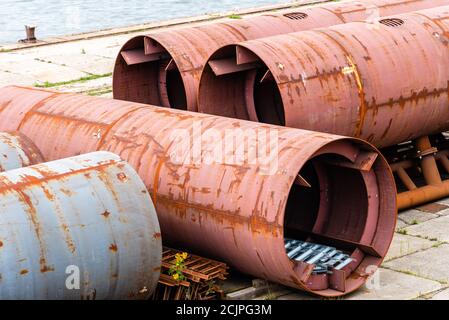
(164, 68)
(77, 228)
(17, 151)
(212, 194)
(386, 82)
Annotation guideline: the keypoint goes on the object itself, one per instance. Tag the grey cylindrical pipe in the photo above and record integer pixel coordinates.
(78, 228)
(17, 151)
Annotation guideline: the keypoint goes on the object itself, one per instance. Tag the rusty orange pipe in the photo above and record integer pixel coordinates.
(423, 195)
(385, 81)
(235, 206)
(428, 162)
(164, 68)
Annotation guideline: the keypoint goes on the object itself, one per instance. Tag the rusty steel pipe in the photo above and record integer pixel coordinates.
(78, 228)
(313, 186)
(405, 179)
(384, 82)
(428, 162)
(17, 151)
(164, 68)
(423, 195)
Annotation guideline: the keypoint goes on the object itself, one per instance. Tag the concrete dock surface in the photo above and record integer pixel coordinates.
(417, 265)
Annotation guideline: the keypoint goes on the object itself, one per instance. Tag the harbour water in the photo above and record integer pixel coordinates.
(62, 17)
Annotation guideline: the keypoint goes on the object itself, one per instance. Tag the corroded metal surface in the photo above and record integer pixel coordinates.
(421, 168)
(86, 218)
(17, 151)
(235, 212)
(385, 82)
(164, 68)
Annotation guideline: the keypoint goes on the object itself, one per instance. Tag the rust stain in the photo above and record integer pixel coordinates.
(156, 180)
(362, 106)
(67, 192)
(35, 107)
(32, 215)
(23, 271)
(122, 177)
(113, 247)
(106, 214)
(157, 235)
(68, 239)
(44, 267)
(48, 194)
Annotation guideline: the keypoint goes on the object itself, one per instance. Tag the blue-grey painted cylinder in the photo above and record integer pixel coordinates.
(17, 151)
(78, 228)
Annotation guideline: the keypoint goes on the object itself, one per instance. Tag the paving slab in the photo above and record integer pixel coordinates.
(444, 201)
(392, 285)
(297, 296)
(432, 229)
(83, 62)
(432, 263)
(433, 207)
(9, 78)
(415, 216)
(235, 281)
(25, 66)
(400, 225)
(404, 244)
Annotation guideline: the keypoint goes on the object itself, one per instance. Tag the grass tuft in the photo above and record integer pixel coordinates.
(47, 84)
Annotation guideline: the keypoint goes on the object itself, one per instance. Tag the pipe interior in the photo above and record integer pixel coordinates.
(149, 82)
(267, 99)
(335, 208)
(338, 194)
(246, 95)
(175, 90)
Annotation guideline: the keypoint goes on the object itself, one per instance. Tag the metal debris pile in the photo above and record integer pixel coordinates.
(324, 258)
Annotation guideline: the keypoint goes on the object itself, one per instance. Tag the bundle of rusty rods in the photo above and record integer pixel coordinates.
(199, 277)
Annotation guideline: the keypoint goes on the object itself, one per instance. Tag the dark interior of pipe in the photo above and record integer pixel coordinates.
(239, 94)
(149, 82)
(175, 90)
(334, 206)
(341, 191)
(267, 100)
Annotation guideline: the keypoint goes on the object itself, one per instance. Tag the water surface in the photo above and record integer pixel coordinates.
(62, 17)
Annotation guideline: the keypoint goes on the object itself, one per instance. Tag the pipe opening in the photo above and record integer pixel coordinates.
(332, 216)
(146, 73)
(175, 90)
(266, 99)
(236, 83)
(334, 205)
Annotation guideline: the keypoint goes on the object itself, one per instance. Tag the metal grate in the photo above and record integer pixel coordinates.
(393, 22)
(296, 15)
